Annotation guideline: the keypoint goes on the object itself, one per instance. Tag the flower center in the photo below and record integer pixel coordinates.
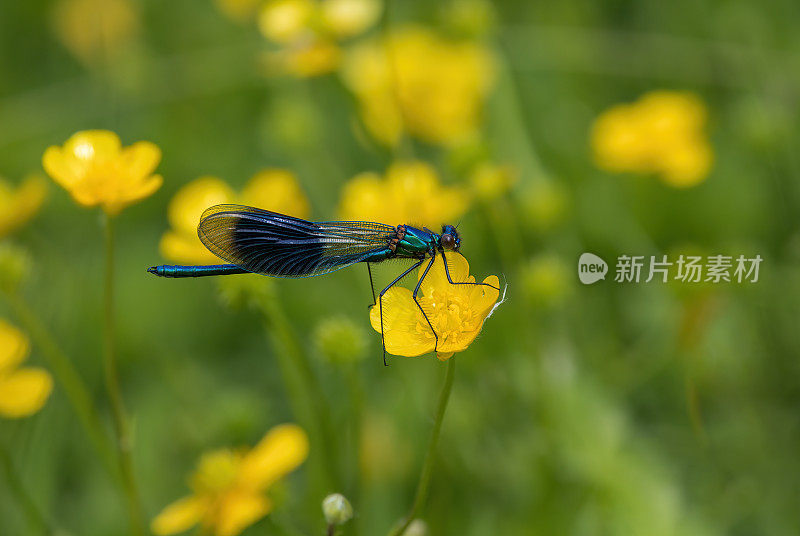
(84, 151)
(451, 316)
(216, 472)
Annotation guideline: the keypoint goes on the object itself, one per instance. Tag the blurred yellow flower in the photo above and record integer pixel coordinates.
(308, 31)
(180, 244)
(229, 487)
(308, 58)
(239, 10)
(283, 21)
(96, 170)
(410, 193)
(490, 181)
(18, 205)
(456, 312)
(661, 133)
(420, 82)
(95, 30)
(347, 18)
(270, 189)
(23, 391)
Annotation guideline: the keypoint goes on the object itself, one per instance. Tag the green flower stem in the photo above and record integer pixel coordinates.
(430, 456)
(305, 393)
(64, 371)
(35, 516)
(111, 371)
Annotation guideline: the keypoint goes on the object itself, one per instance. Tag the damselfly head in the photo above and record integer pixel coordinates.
(449, 238)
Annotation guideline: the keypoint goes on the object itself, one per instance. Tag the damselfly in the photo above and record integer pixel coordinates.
(258, 241)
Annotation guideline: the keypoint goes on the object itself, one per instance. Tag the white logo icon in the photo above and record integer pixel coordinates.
(591, 268)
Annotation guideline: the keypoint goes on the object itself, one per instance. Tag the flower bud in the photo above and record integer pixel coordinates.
(340, 340)
(417, 528)
(337, 509)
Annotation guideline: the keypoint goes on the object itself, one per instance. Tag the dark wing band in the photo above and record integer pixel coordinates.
(274, 244)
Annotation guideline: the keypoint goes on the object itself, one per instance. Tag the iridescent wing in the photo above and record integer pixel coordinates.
(274, 244)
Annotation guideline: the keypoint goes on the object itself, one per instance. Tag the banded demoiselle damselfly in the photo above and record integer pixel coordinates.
(258, 241)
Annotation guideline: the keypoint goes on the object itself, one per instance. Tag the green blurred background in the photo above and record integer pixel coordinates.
(648, 409)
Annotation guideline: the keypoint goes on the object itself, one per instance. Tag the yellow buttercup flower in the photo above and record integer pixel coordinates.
(18, 205)
(95, 30)
(456, 312)
(96, 170)
(181, 244)
(308, 31)
(23, 391)
(229, 487)
(419, 82)
(347, 18)
(661, 133)
(410, 193)
(283, 21)
(270, 189)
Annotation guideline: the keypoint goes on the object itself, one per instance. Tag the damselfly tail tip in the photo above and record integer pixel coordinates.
(153, 270)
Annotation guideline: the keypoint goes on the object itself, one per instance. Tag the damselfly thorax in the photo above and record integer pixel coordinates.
(258, 241)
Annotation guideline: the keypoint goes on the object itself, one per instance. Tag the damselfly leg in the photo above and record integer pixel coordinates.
(450, 279)
(371, 286)
(414, 295)
(380, 301)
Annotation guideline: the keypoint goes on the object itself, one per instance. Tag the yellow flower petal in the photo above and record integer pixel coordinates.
(482, 297)
(65, 169)
(24, 391)
(20, 205)
(347, 18)
(405, 331)
(360, 195)
(687, 166)
(458, 267)
(283, 21)
(141, 158)
(183, 248)
(191, 200)
(237, 511)
(180, 515)
(14, 347)
(277, 190)
(136, 193)
(92, 145)
(281, 451)
(309, 58)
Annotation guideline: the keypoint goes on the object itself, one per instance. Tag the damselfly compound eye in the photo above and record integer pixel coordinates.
(448, 242)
